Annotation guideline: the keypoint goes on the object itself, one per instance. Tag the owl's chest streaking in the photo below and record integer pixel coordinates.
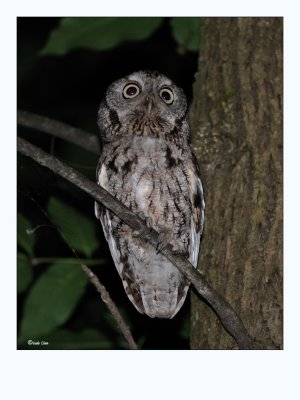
(158, 179)
(151, 176)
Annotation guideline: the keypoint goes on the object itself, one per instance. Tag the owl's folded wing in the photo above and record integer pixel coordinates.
(198, 207)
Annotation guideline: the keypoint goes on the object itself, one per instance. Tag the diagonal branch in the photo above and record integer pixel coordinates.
(59, 129)
(111, 306)
(227, 315)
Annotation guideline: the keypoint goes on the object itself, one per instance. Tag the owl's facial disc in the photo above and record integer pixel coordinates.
(151, 100)
(143, 103)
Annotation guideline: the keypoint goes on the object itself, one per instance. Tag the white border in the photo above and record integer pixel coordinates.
(149, 374)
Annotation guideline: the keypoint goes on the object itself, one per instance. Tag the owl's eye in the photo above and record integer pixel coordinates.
(131, 90)
(166, 95)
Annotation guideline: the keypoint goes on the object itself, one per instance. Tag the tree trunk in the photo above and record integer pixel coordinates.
(236, 119)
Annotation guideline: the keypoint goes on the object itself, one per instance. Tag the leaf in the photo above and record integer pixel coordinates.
(78, 230)
(186, 31)
(52, 300)
(24, 272)
(98, 33)
(24, 240)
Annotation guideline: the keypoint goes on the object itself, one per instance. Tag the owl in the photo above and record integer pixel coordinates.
(147, 164)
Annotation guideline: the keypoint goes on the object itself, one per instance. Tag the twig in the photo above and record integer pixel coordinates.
(227, 315)
(66, 260)
(59, 129)
(111, 306)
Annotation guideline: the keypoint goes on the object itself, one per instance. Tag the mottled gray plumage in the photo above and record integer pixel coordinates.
(147, 164)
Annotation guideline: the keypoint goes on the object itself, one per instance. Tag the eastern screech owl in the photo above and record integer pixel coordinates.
(147, 164)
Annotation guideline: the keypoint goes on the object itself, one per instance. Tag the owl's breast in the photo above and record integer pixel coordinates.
(150, 176)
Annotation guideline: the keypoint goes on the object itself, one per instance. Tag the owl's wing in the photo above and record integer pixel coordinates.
(110, 222)
(103, 215)
(106, 219)
(198, 207)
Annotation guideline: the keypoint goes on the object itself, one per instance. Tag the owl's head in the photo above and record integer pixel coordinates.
(144, 103)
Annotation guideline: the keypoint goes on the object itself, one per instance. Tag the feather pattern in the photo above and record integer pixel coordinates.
(147, 164)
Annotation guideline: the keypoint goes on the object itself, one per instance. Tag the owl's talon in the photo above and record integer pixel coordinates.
(149, 223)
(141, 215)
(163, 241)
(145, 230)
(148, 220)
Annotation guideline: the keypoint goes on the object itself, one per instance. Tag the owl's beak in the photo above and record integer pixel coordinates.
(149, 103)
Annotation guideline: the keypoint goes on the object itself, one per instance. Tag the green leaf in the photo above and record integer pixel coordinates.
(98, 33)
(24, 240)
(186, 31)
(24, 272)
(78, 230)
(52, 300)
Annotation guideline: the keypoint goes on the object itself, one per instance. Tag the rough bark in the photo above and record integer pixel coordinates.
(236, 120)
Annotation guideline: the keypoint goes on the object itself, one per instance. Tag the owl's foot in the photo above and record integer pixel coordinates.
(164, 238)
(149, 225)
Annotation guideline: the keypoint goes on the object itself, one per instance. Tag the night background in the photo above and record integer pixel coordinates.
(64, 68)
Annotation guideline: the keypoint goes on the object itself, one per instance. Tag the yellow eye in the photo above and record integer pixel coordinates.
(131, 90)
(166, 95)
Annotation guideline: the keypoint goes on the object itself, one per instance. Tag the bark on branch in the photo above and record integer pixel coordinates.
(227, 315)
(59, 129)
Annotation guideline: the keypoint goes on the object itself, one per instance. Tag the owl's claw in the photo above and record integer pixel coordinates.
(149, 225)
(149, 222)
(163, 241)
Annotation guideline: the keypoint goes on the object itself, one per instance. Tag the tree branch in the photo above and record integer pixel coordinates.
(227, 315)
(59, 129)
(111, 306)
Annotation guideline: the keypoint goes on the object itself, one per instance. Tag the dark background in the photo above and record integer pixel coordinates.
(69, 88)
